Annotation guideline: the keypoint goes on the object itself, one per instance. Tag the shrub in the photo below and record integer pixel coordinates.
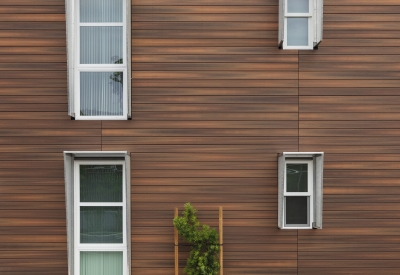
(203, 258)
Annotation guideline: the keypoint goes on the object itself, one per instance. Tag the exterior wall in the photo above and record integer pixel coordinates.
(34, 131)
(349, 100)
(213, 102)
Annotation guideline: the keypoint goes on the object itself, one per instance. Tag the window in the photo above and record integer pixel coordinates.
(98, 41)
(300, 24)
(98, 212)
(300, 181)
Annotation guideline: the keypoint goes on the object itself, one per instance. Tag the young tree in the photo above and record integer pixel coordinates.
(203, 259)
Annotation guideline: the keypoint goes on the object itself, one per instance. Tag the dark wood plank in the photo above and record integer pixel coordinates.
(44, 9)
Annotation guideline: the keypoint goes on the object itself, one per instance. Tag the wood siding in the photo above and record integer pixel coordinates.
(213, 102)
(349, 100)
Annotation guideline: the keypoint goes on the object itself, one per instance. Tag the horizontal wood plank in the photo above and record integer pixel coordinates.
(214, 100)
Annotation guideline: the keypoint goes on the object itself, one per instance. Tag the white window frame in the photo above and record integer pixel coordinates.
(309, 193)
(314, 161)
(315, 25)
(75, 68)
(310, 29)
(72, 161)
(95, 247)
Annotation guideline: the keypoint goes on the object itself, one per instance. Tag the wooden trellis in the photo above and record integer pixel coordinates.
(221, 243)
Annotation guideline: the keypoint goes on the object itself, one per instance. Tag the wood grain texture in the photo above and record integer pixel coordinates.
(348, 108)
(213, 102)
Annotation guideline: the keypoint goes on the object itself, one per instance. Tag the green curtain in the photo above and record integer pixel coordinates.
(101, 263)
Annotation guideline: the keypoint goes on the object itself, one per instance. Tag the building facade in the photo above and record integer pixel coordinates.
(211, 102)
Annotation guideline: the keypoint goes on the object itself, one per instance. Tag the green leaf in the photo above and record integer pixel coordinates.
(203, 257)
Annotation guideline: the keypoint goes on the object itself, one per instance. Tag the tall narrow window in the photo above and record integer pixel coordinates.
(98, 58)
(300, 180)
(98, 214)
(300, 24)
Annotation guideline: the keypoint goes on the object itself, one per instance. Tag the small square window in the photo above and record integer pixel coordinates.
(300, 190)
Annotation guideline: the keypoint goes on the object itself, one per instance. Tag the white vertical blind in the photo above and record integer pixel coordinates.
(101, 10)
(101, 42)
(101, 263)
(101, 45)
(101, 93)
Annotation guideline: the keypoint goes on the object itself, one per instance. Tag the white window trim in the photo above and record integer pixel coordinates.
(72, 160)
(309, 193)
(120, 247)
(315, 24)
(74, 66)
(308, 15)
(316, 159)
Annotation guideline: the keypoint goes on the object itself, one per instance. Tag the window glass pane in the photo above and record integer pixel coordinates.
(101, 224)
(101, 93)
(297, 31)
(101, 263)
(297, 177)
(101, 183)
(101, 45)
(297, 210)
(101, 11)
(298, 6)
